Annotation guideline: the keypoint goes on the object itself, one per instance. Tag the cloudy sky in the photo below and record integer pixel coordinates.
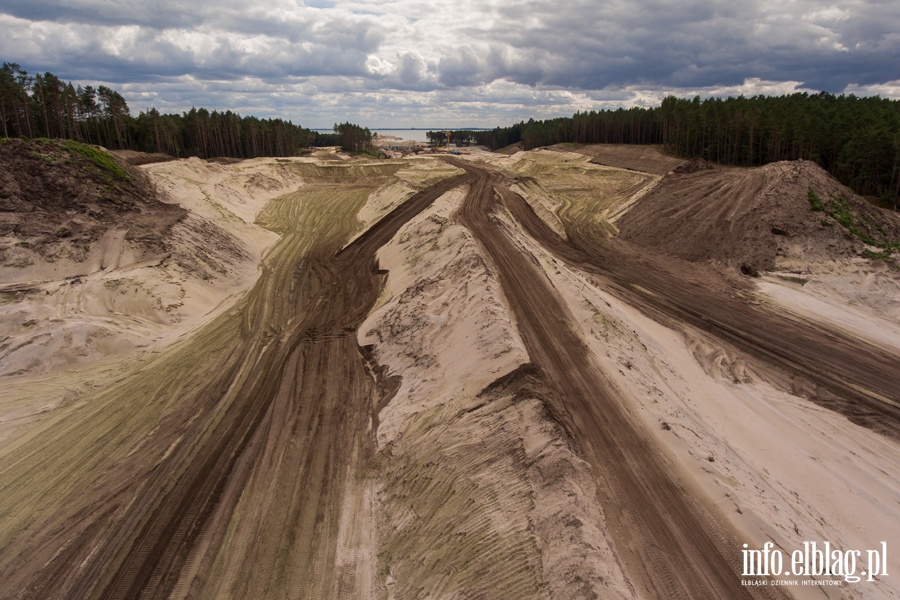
(451, 63)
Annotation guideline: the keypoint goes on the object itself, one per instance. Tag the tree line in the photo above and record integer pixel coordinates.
(42, 105)
(856, 139)
(460, 137)
(350, 137)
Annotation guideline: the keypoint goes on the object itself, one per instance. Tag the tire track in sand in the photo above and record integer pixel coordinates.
(219, 470)
(841, 373)
(672, 546)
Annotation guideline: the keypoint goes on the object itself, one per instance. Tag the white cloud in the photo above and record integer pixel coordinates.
(484, 62)
(888, 89)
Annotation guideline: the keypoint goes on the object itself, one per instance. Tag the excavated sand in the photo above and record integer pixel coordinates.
(416, 174)
(752, 452)
(472, 489)
(119, 300)
(569, 187)
(646, 159)
(755, 219)
(853, 295)
(472, 471)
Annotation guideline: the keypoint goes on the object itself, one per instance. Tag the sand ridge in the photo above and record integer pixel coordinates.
(467, 433)
(119, 299)
(727, 431)
(414, 396)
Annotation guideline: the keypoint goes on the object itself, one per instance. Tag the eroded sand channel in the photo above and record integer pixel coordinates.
(231, 451)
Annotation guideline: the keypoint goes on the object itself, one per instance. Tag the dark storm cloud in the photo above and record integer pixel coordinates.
(159, 14)
(537, 57)
(590, 45)
(581, 44)
(290, 19)
(147, 56)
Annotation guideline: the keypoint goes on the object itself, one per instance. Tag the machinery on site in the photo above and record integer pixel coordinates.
(438, 144)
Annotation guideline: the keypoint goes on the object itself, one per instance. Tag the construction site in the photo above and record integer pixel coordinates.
(568, 372)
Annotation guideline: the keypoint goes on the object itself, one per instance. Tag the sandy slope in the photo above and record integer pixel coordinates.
(474, 469)
(413, 432)
(729, 433)
(120, 299)
(159, 464)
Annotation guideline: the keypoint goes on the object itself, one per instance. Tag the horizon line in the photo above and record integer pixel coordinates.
(419, 128)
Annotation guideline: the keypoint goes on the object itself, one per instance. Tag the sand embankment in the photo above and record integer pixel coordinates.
(407, 379)
(126, 292)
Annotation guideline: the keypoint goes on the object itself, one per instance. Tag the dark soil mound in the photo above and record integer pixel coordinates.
(746, 218)
(58, 197)
(692, 166)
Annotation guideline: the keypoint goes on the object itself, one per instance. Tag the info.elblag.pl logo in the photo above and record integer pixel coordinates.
(813, 560)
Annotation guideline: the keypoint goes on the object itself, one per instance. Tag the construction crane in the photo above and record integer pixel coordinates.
(437, 144)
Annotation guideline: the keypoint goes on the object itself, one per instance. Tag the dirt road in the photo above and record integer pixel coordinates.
(672, 546)
(839, 372)
(241, 463)
(232, 453)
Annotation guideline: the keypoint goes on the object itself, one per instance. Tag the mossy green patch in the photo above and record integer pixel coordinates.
(841, 211)
(100, 159)
(814, 202)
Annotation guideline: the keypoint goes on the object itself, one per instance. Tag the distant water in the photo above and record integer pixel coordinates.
(415, 135)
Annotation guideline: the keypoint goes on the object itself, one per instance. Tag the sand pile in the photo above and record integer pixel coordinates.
(647, 159)
(727, 429)
(822, 252)
(135, 158)
(755, 218)
(58, 199)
